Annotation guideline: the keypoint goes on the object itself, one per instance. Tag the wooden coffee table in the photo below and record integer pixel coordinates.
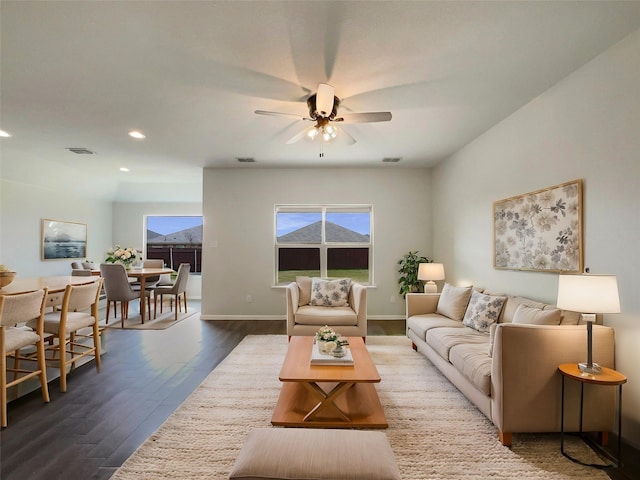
(328, 396)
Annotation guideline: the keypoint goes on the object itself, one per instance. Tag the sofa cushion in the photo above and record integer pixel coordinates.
(304, 289)
(312, 315)
(444, 338)
(420, 324)
(330, 293)
(535, 316)
(483, 310)
(567, 317)
(472, 360)
(512, 304)
(453, 301)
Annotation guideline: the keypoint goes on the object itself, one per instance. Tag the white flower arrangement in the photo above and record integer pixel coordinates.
(327, 334)
(126, 256)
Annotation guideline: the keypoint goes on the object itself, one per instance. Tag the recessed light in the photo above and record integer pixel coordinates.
(137, 134)
(4, 134)
(124, 169)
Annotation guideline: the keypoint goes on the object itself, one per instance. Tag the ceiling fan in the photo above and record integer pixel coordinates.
(323, 109)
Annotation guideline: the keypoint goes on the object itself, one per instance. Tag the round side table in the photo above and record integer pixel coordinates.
(608, 377)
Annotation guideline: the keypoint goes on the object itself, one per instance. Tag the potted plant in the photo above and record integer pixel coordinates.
(408, 269)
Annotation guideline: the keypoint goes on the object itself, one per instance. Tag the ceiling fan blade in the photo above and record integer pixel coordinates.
(278, 114)
(298, 136)
(324, 99)
(364, 117)
(349, 140)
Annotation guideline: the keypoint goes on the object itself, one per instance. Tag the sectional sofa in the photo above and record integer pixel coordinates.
(502, 352)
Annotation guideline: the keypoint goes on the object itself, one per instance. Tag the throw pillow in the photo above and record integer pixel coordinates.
(330, 293)
(453, 301)
(536, 316)
(304, 289)
(483, 310)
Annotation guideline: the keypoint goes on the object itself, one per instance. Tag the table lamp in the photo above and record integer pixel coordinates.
(589, 294)
(429, 272)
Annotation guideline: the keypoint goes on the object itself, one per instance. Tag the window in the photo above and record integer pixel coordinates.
(176, 240)
(324, 241)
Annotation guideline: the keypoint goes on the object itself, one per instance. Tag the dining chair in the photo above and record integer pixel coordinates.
(80, 272)
(14, 311)
(152, 282)
(119, 289)
(179, 288)
(68, 326)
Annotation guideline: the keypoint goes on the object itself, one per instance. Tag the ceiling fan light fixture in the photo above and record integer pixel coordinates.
(313, 133)
(324, 99)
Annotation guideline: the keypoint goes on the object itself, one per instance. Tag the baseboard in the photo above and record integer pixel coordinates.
(242, 317)
(280, 317)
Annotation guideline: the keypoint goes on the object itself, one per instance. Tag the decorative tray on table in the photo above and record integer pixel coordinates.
(321, 358)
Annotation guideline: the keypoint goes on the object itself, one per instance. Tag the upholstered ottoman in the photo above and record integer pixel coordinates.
(315, 454)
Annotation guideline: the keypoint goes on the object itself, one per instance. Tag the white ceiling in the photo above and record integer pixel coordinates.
(190, 75)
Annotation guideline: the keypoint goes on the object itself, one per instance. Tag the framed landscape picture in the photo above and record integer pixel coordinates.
(63, 239)
(540, 231)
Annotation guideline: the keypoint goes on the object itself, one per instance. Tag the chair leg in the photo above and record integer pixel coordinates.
(177, 306)
(62, 346)
(42, 366)
(16, 363)
(96, 345)
(3, 381)
(184, 299)
(108, 305)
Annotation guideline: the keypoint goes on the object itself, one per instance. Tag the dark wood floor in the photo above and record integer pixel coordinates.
(88, 432)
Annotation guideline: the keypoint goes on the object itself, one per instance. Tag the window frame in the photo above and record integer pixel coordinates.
(324, 246)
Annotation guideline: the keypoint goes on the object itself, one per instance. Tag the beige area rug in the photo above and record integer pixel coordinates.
(434, 431)
(164, 320)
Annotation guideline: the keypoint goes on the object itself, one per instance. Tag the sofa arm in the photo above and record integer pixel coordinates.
(293, 296)
(526, 385)
(421, 303)
(358, 301)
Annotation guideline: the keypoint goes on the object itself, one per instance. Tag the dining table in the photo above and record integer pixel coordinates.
(54, 284)
(142, 274)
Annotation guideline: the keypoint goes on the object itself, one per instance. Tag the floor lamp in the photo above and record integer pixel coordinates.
(590, 294)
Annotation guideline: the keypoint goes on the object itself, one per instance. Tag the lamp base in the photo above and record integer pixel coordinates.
(585, 368)
(430, 287)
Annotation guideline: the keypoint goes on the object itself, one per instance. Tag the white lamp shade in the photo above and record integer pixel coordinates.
(431, 271)
(588, 293)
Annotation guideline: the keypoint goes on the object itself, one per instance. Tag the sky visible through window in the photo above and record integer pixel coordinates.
(289, 222)
(165, 225)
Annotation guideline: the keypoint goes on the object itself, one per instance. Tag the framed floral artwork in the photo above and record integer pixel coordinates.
(540, 231)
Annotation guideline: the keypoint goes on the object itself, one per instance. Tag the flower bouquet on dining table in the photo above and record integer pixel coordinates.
(127, 256)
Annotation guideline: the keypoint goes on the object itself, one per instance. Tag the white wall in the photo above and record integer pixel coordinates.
(22, 208)
(129, 228)
(238, 244)
(588, 127)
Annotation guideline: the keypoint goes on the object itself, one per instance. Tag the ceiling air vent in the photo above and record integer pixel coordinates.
(80, 150)
(391, 159)
(246, 159)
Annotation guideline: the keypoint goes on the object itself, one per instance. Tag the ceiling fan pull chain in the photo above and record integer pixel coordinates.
(321, 150)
